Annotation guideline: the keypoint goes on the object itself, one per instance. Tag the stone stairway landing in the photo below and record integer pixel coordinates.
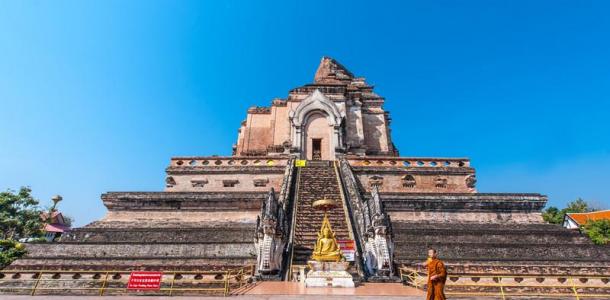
(317, 180)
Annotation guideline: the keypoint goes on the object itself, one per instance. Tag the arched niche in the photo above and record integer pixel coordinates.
(308, 115)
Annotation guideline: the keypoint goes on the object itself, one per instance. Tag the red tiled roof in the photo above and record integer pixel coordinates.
(56, 228)
(45, 215)
(583, 218)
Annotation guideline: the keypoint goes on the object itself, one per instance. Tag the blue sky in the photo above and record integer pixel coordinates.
(96, 96)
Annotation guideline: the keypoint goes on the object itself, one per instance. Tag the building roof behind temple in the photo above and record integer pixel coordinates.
(331, 71)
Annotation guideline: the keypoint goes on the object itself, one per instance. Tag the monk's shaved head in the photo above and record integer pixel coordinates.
(432, 252)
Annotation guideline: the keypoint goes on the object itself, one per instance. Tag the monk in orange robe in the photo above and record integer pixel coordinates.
(437, 275)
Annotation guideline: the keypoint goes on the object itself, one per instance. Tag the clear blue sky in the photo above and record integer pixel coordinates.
(96, 96)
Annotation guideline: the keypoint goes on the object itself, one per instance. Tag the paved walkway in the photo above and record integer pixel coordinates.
(274, 290)
(366, 289)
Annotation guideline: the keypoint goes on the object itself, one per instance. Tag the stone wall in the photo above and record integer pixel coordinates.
(507, 218)
(459, 203)
(225, 174)
(375, 133)
(500, 248)
(415, 175)
(163, 201)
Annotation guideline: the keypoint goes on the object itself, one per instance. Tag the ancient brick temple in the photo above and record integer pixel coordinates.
(254, 207)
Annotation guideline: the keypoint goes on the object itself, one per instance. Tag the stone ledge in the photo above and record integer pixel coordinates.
(462, 202)
(183, 200)
(413, 170)
(225, 170)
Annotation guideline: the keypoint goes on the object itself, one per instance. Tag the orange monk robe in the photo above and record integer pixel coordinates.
(436, 287)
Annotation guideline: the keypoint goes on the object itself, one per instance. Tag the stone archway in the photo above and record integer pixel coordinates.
(307, 124)
(317, 137)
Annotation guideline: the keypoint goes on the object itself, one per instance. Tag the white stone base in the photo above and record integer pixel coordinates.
(329, 274)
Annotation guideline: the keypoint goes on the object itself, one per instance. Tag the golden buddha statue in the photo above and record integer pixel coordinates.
(327, 248)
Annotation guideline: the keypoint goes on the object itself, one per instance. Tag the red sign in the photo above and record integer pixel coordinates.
(346, 244)
(348, 248)
(144, 281)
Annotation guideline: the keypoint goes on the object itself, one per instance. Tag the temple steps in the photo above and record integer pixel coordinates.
(317, 180)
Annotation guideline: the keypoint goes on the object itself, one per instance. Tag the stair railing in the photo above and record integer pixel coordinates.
(358, 210)
(293, 214)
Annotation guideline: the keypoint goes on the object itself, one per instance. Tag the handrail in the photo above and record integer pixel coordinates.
(230, 279)
(286, 184)
(293, 225)
(356, 205)
(348, 218)
(343, 201)
(418, 280)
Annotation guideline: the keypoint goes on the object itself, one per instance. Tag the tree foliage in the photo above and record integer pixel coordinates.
(598, 231)
(554, 215)
(19, 219)
(68, 220)
(9, 251)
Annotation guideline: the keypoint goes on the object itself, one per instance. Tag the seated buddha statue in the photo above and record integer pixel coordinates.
(327, 248)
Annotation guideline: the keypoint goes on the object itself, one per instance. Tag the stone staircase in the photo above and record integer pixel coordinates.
(317, 180)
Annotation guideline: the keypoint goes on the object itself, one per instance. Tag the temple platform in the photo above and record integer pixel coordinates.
(365, 289)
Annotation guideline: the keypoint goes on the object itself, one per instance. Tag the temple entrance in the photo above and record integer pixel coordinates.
(316, 147)
(317, 137)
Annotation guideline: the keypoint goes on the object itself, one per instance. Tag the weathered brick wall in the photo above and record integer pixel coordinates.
(216, 182)
(508, 218)
(500, 248)
(142, 249)
(425, 183)
(375, 132)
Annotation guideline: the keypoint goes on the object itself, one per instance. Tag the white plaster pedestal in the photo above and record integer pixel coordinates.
(329, 274)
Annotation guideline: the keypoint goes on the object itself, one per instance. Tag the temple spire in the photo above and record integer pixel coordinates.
(331, 71)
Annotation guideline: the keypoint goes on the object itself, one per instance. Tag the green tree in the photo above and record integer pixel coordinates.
(68, 220)
(552, 215)
(598, 231)
(578, 206)
(555, 216)
(19, 219)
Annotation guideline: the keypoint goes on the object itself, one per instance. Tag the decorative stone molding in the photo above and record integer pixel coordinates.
(471, 181)
(261, 182)
(478, 202)
(199, 182)
(407, 162)
(375, 181)
(170, 181)
(170, 201)
(279, 103)
(230, 182)
(316, 103)
(259, 110)
(408, 181)
(440, 182)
